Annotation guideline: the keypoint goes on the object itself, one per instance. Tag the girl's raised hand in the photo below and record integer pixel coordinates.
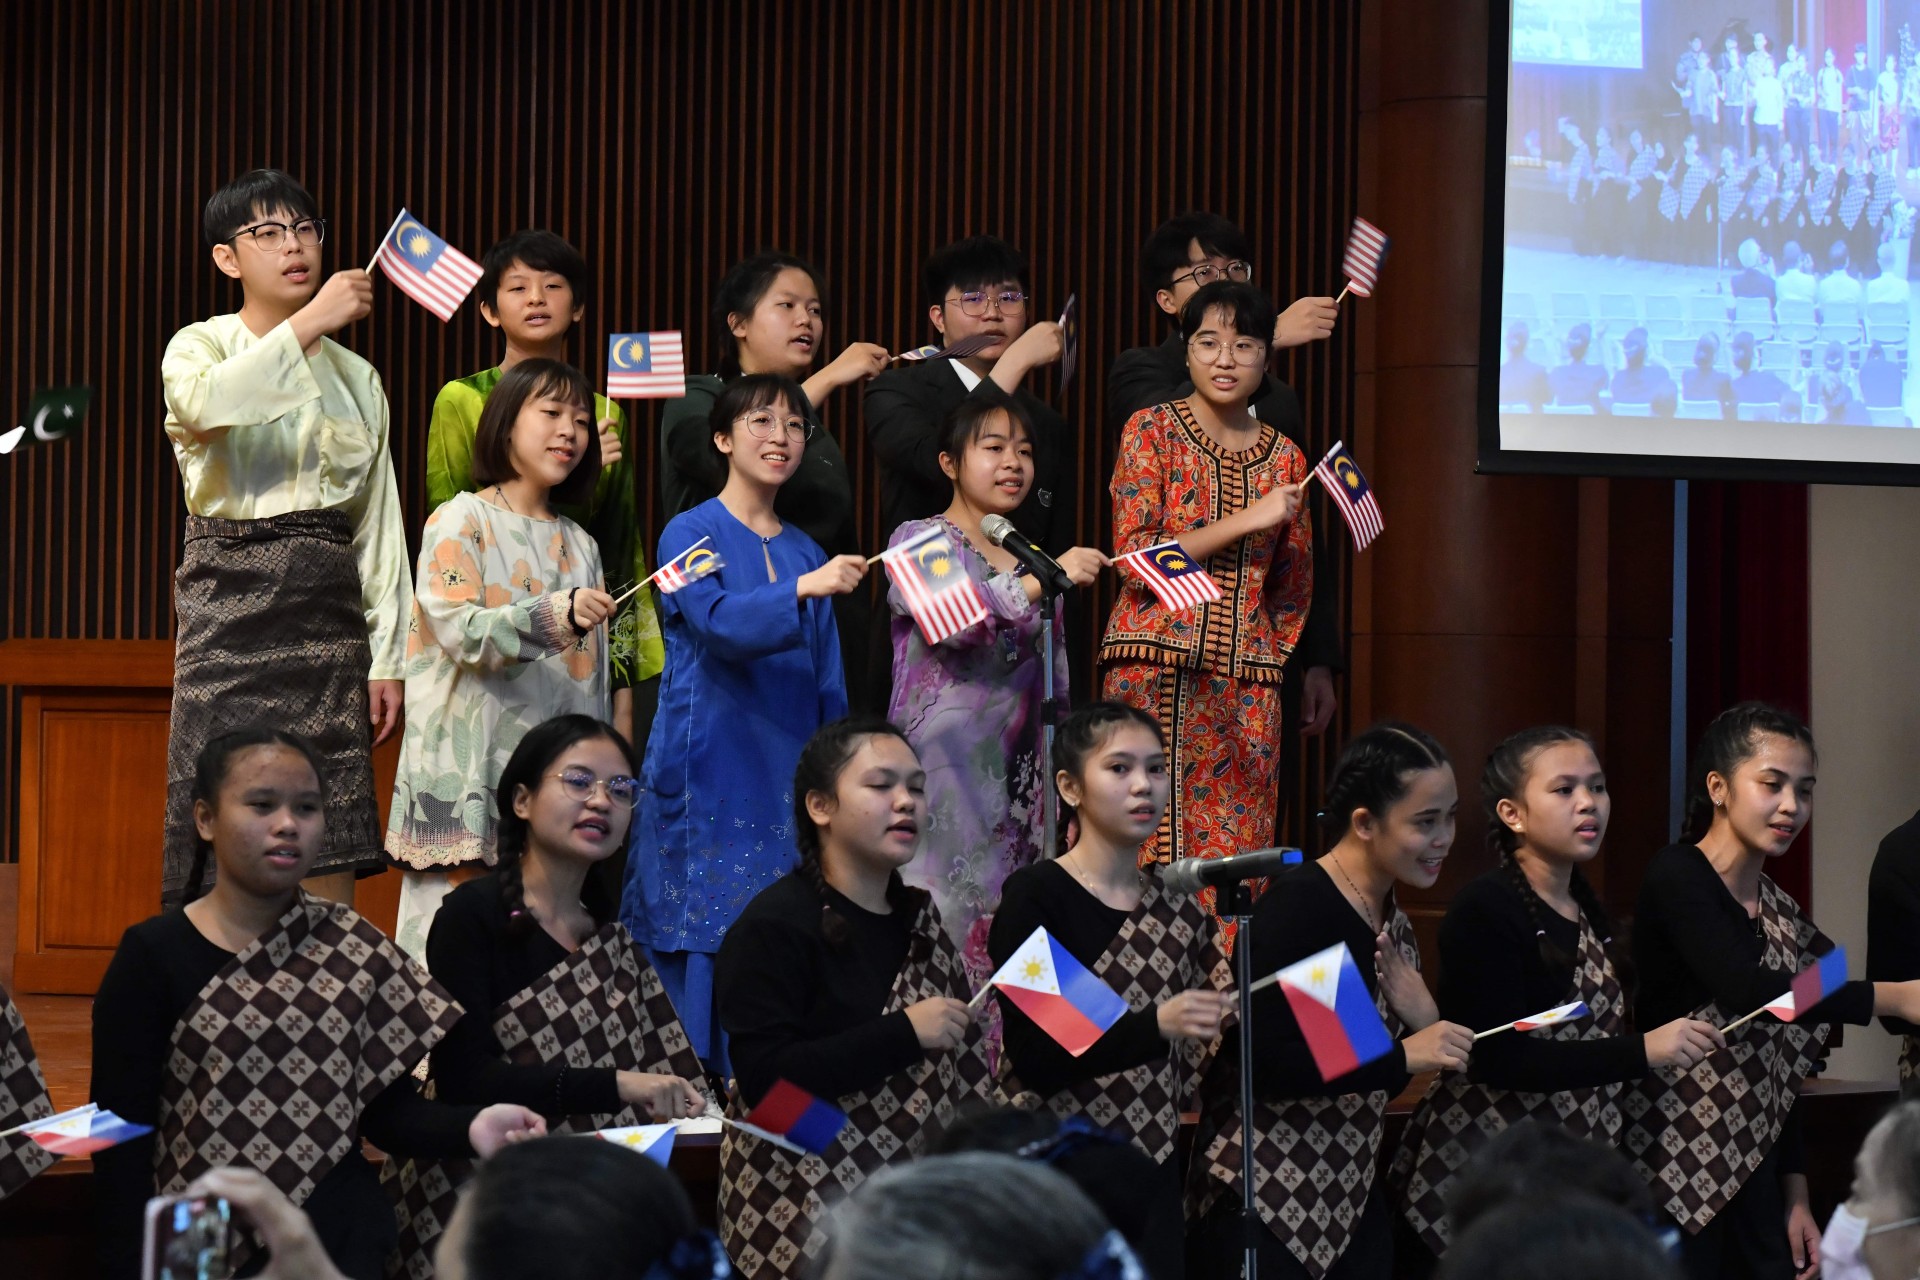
(1193, 1015)
(590, 607)
(834, 578)
(860, 361)
(939, 1022)
(610, 450)
(1083, 564)
(1406, 990)
(1279, 506)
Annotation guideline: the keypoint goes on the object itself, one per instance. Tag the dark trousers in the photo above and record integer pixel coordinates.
(1215, 1247)
(1747, 1240)
(1829, 133)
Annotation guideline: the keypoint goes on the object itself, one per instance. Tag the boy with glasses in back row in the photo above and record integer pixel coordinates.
(294, 585)
(1182, 256)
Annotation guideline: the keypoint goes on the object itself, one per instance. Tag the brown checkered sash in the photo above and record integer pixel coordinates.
(280, 1053)
(1168, 945)
(1909, 1067)
(1314, 1158)
(603, 1006)
(1458, 1116)
(772, 1202)
(23, 1097)
(1697, 1135)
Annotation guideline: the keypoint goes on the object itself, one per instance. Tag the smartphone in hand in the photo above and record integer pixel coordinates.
(187, 1238)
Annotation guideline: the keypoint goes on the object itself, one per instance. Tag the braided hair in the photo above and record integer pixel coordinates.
(1509, 765)
(1730, 740)
(822, 761)
(1374, 772)
(527, 768)
(210, 771)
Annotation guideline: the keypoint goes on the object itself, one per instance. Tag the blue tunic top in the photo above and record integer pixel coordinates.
(752, 671)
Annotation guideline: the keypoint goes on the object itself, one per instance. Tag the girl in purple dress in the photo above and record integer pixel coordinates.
(970, 705)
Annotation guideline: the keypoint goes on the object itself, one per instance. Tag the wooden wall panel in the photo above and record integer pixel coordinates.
(666, 140)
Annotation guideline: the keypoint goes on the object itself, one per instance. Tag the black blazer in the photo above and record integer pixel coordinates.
(907, 411)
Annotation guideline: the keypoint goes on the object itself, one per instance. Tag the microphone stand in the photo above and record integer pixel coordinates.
(1239, 905)
(1049, 720)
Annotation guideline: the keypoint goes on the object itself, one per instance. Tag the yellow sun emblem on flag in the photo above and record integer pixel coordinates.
(1034, 971)
(1319, 975)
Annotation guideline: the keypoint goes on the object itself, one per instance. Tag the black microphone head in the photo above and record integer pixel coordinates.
(996, 527)
(1183, 876)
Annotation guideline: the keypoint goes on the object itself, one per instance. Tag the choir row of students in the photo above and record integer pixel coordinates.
(267, 1028)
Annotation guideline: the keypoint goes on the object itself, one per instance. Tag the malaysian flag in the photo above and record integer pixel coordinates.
(1175, 577)
(1366, 247)
(697, 564)
(1351, 493)
(428, 269)
(938, 591)
(646, 366)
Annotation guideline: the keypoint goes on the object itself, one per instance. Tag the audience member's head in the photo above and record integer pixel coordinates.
(1888, 256)
(572, 1209)
(1877, 352)
(1530, 1159)
(1558, 1237)
(1706, 351)
(1791, 406)
(1749, 254)
(1634, 347)
(1834, 357)
(1517, 339)
(1789, 253)
(1877, 1231)
(1578, 338)
(1837, 258)
(1741, 348)
(973, 1216)
(1835, 396)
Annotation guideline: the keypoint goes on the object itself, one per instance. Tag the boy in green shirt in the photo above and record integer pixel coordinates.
(534, 288)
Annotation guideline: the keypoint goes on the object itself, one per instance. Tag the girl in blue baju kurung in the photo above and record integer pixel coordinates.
(753, 669)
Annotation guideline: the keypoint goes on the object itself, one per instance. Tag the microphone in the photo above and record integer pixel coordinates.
(1190, 875)
(1001, 533)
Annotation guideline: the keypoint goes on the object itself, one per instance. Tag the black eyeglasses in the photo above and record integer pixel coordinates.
(579, 783)
(1206, 273)
(269, 236)
(975, 302)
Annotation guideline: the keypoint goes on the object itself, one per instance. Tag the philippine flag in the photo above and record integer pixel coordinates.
(1335, 1011)
(1815, 983)
(791, 1117)
(652, 1140)
(1547, 1018)
(1062, 996)
(83, 1132)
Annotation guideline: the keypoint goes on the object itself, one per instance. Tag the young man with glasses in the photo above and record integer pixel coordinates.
(976, 286)
(294, 586)
(1182, 256)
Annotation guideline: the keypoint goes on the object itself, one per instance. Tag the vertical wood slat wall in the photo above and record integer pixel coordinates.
(666, 140)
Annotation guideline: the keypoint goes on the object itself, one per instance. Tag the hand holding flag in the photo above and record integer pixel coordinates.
(424, 267)
(1064, 998)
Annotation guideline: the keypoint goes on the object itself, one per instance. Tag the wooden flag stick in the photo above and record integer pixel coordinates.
(1263, 983)
(1737, 1022)
(70, 1114)
(1492, 1031)
(1343, 294)
(622, 598)
(382, 246)
(979, 998)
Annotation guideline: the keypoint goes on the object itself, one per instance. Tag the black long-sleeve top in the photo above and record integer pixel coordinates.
(1143, 377)
(1302, 912)
(1693, 942)
(160, 967)
(1045, 893)
(471, 952)
(1893, 914)
(796, 1008)
(1492, 973)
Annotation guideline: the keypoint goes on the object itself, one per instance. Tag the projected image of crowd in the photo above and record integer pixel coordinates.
(1723, 236)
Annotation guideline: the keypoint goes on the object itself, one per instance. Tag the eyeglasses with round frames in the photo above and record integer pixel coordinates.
(579, 784)
(761, 425)
(976, 302)
(1205, 273)
(268, 237)
(1245, 350)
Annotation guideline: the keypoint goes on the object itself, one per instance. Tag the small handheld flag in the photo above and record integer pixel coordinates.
(82, 1134)
(1545, 1018)
(791, 1117)
(1366, 249)
(1176, 578)
(1064, 998)
(1337, 1017)
(699, 562)
(1069, 342)
(52, 415)
(646, 366)
(938, 591)
(918, 353)
(652, 1140)
(1812, 985)
(426, 268)
(1352, 494)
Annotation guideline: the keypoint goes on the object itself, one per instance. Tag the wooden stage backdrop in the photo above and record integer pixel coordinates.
(666, 140)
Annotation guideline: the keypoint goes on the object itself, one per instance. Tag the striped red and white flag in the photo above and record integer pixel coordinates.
(1366, 248)
(938, 592)
(646, 366)
(1176, 578)
(1344, 482)
(426, 268)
